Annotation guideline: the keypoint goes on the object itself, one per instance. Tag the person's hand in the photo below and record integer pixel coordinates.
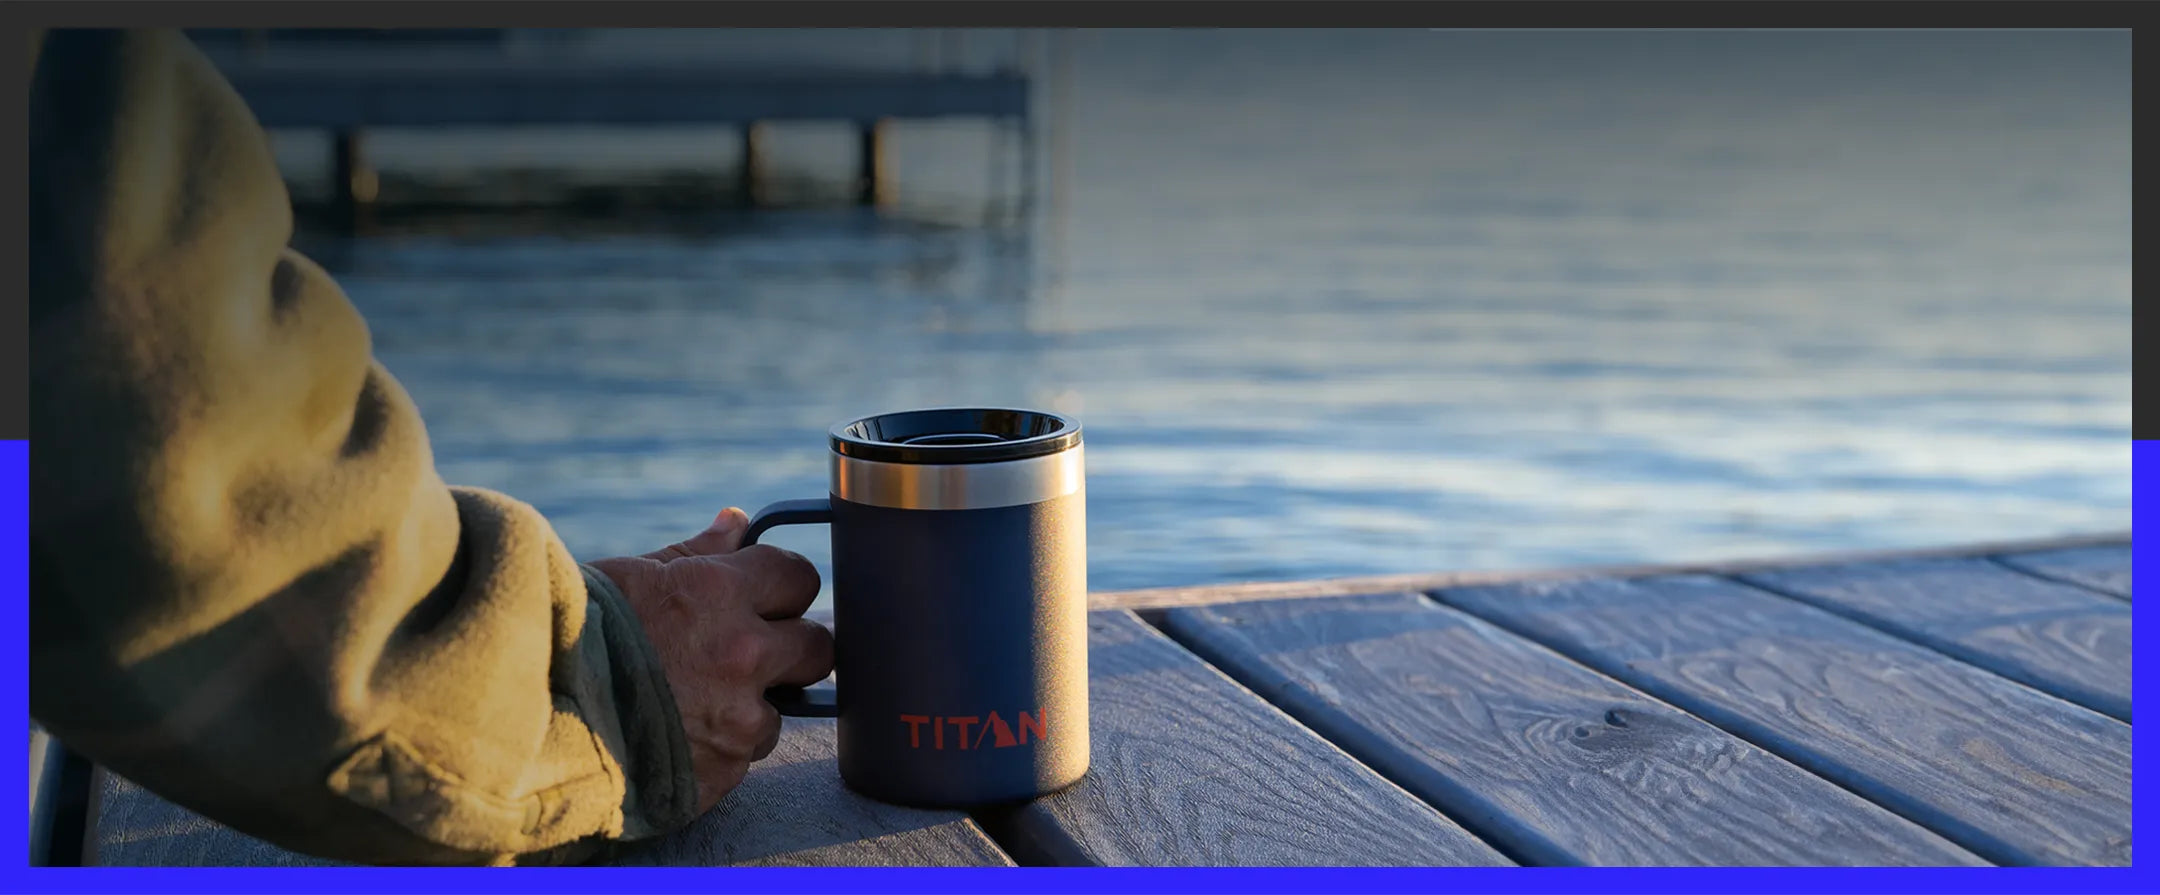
(727, 623)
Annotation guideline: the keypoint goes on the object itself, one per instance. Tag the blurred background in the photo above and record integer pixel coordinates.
(1327, 302)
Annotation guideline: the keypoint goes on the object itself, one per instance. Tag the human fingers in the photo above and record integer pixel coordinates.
(722, 537)
(802, 653)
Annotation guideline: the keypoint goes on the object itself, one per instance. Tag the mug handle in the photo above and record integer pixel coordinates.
(796, 702)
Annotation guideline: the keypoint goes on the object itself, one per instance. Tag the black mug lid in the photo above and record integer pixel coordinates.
(955, 435)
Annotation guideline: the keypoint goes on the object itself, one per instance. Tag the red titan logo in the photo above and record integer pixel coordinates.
(969, 731)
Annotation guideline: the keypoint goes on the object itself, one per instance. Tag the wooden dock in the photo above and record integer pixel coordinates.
(348, 89)
(1956, 707)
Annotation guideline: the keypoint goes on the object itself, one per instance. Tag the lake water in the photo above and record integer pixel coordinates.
(1339, 303)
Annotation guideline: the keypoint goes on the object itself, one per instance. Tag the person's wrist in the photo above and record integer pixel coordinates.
(660, 758)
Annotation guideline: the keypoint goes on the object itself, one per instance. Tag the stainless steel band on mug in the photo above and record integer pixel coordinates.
(964, 486)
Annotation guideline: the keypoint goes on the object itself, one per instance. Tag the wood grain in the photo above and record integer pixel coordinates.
(1548, 760)
(2058, 638)
(132, 827)
(2104, 569)
(793, 811)
(2012, 774)
(790, 810)
(1190, 769)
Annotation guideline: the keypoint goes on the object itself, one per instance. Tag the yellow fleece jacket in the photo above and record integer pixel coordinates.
(250, 591)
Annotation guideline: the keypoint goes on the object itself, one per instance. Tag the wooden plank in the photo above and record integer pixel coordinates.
(44, 772)
(790, 810)
(793, 811)
(1160, 598)
(337, 37)
(2104, 569)
(59, 796)
(435, 92)
(1190, 769)
(2012, 774)
(132, 827)
(2058, 638)
(1549, 761)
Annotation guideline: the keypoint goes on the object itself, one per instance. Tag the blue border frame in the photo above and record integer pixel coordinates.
(15, 585)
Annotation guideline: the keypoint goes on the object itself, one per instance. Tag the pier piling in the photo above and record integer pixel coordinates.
(874, 181)
(751, 177)
(352, 179)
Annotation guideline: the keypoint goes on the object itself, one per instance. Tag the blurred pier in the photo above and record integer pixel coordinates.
(347, 82)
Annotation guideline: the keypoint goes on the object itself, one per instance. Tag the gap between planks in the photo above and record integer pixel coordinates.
(1534, 835)
(1736, 722)
(2008, 561)
(1974, 606)
(1275, 793)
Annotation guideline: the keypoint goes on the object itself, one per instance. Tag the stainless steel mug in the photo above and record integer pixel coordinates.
(959, 554)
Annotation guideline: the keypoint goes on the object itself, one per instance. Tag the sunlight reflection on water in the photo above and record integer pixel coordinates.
(1376, 308)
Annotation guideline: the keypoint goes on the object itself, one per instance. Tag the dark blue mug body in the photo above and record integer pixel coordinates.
(959, 553)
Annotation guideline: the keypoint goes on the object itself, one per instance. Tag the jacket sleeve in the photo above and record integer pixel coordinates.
(250, 591)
